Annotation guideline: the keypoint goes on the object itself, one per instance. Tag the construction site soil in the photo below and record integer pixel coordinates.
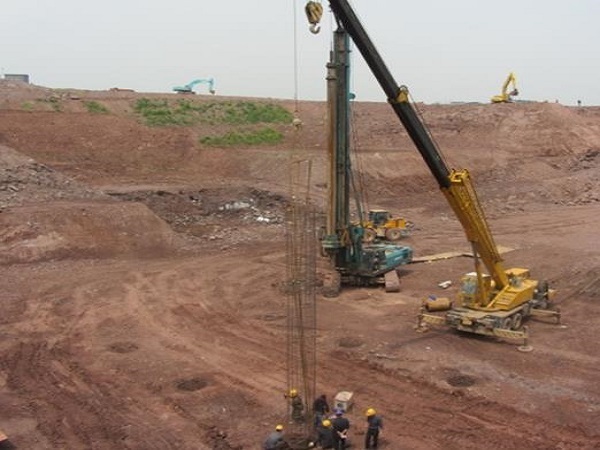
(140, 299)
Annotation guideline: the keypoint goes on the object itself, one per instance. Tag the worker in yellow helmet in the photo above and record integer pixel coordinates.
(275, 440)
(374, 426)
(325, 434)
(296, 404)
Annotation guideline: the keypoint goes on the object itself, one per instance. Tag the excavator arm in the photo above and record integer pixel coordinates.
(506, 96)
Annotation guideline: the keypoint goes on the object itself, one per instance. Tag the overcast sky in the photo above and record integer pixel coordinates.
(460, 50)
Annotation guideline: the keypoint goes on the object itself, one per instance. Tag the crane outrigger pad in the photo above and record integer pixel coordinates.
(392, 281)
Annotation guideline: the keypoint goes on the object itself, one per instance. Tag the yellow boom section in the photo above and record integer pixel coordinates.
(463, 199)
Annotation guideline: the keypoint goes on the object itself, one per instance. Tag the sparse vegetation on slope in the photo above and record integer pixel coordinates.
(187, 112)
(260, 137)
(95, 108)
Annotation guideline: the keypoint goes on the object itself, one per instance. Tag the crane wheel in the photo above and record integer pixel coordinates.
(393, 234)
(517, 321)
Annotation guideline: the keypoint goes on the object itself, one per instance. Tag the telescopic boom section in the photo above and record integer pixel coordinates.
(456, 185)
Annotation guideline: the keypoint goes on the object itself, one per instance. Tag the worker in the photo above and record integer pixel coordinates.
(320, 409)
(374, 426)
(275, 440)
(296, 404)
(340, 430)
(325, 434)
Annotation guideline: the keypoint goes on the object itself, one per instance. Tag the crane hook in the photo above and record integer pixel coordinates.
(314, 12)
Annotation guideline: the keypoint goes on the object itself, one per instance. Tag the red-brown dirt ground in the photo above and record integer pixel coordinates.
(138, 311)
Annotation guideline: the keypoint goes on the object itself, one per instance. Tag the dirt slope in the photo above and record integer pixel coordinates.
(140, 300)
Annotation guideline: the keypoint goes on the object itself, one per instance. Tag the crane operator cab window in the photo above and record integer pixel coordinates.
(378, 216)
(469, 290)
(514, 280)
(469, 284)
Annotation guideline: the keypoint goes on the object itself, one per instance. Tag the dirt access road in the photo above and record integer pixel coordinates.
(141, 310)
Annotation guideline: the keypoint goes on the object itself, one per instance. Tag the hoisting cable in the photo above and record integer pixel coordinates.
(296, 122)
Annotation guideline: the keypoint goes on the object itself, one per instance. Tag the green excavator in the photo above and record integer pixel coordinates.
(189, 88)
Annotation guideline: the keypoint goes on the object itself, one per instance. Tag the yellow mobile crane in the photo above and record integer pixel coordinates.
(487, 303)
(506, 95)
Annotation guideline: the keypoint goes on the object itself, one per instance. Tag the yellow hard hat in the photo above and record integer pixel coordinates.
(371, 412)
(279, 428)
(293, 392)
(326, 423)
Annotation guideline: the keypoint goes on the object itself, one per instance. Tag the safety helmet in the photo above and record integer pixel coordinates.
(326, 423)
(279, 428)
(370, 412)
(293, 392)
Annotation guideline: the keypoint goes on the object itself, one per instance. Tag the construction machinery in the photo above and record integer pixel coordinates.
(494, 303)
(380, 224)
(189, 88)
(506, 96)
(356, 262)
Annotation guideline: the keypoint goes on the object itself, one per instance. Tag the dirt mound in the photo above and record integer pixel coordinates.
(45, 215)
(82, 230)
(23, 181)
(16, 92)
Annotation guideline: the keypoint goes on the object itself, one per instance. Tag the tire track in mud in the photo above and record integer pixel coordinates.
(204, 332)
(531, 384)
(192, 312)
(451, 420)
(75, 408)
(86, 401)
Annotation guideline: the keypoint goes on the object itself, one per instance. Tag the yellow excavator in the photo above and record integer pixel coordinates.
(506, 95)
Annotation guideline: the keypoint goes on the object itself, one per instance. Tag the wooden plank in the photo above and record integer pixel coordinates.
(448, 255)
(436, 257)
